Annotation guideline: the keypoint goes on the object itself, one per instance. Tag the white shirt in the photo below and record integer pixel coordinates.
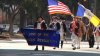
(39, 26)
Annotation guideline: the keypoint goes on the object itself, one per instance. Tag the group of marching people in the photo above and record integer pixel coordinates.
(77, 29)
(56, 23)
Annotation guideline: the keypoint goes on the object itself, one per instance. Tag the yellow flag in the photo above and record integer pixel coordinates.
(93, 19)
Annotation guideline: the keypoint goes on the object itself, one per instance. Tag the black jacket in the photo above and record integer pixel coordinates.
(43, 25)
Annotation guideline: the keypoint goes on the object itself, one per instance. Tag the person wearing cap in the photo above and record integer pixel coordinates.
(97, 36)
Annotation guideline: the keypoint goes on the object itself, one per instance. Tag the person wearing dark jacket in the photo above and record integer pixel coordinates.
(40, 24)
(59, 25)
(62, 31)
(54, 24)
(90, 36)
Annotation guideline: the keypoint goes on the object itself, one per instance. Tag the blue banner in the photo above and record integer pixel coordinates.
(41, 37)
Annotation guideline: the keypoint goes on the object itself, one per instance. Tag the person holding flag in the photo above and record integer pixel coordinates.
(84, 12)
(94, 21)
(57, 7)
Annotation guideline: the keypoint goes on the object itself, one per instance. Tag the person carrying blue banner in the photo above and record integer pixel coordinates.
(58, 25)
(40, 24)
(54, 24)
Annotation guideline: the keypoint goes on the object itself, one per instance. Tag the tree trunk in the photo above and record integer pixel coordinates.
(6, 18)
(2, 16)
(11, 25)
(22, 18)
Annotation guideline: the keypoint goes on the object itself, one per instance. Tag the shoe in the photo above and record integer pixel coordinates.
(97, 48)
(91, 46)
(61, 47)
(74, 48)
(36, 49)
(72, 45)
(54, 48)
(42, 48)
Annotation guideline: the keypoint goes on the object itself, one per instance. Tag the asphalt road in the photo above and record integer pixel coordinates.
(19, 47)
(43, 53)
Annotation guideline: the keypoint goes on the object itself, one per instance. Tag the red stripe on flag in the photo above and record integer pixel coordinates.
(60, 8)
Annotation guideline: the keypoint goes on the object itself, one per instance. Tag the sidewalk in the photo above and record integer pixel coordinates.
(21, 44)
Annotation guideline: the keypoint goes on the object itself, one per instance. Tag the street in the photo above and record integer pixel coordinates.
(19, 47)
(43, 53)
(46, 23)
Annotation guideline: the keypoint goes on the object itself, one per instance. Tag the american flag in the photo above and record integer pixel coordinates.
(55, 6)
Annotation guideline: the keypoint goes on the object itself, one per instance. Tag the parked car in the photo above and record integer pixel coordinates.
(29, 26)
(5, 28)
(15, 29)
